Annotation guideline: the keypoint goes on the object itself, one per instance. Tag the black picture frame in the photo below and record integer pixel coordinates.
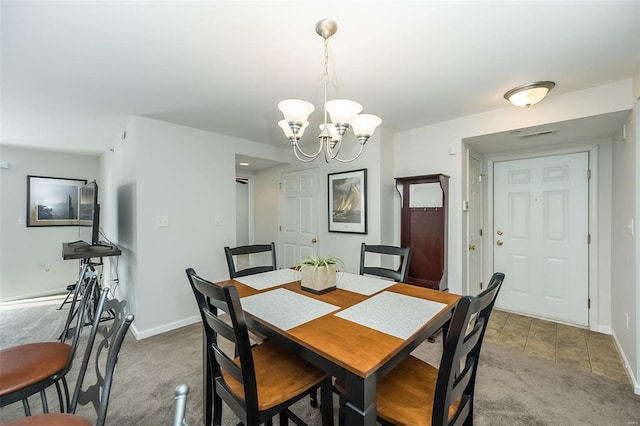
(53, 201)
(347, 201)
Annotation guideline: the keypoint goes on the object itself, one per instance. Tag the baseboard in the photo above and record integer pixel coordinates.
(627, 366)
(39, 294)
(603, 329)
(143, 334)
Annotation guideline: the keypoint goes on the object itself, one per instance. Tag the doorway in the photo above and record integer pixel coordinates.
(541, 235)
(299, 215)
(244, 218)
(475, 225)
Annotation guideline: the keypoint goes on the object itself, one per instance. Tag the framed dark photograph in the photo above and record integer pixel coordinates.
(53, 201)
(348, 202)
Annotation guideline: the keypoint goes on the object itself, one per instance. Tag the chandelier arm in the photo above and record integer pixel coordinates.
(296, 148)
(351, 159)
(331, 153)
(304, 160)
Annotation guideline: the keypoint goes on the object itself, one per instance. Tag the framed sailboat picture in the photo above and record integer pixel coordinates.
(348, 201)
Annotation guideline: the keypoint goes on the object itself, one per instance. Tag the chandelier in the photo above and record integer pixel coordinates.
(343, 112)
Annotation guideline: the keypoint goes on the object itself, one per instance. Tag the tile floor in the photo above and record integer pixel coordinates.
(561, 343)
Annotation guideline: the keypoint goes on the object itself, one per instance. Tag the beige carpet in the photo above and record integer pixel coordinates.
(512, 387)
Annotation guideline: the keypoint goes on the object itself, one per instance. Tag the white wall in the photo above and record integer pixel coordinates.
(188, 175)
(25, 252)
(625, 300)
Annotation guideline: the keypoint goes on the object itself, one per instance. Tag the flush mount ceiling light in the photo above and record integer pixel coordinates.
(529, 94)
(343, 112)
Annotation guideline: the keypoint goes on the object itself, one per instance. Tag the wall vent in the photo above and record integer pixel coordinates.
(535, 134)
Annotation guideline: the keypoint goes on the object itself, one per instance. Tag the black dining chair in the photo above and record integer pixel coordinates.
(398, 275)
(417, 393)
(233, 255)
(261, 380)
(31, 368)
(103, 346)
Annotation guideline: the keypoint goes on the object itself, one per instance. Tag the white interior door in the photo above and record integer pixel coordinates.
(541, 225)
(474, 226)
(299, 212)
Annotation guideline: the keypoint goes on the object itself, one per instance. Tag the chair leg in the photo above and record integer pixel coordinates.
(60, 400)
(284, 420)
(313, 396)
(342, 401)
(66, 393)
(217, 409)
(326, 402)
(25, 406)
(45, 406)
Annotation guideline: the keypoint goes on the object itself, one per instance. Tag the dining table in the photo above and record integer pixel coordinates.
(357, 332)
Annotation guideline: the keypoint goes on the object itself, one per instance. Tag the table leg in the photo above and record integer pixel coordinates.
(361, 400)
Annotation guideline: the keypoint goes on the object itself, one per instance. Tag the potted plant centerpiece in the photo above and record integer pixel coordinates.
(318, 274)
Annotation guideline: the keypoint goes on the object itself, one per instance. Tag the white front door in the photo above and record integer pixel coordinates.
(474, 226)
(541, 225)
(299, 215)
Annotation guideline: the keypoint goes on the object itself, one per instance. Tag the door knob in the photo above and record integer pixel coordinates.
(499, 242)
(499, 232)
(472, 247)
(315, 240)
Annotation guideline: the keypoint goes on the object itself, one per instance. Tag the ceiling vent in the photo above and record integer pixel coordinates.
(532, 135)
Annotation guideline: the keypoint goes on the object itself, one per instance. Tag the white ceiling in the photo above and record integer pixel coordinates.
(74, 73)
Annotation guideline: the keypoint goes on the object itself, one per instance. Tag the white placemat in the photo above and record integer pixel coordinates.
(393, 313)
(284, 308)
(269, 279)
(362, 284)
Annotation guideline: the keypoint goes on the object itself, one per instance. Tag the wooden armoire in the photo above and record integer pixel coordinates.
(424, 227)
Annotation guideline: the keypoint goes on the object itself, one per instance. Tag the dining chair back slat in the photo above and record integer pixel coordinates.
(234, 253)
(398, 275)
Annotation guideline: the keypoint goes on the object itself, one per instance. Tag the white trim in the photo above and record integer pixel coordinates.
(592, 150)
(58, 292)
(604, 329)
(627, 366)
(143, 334)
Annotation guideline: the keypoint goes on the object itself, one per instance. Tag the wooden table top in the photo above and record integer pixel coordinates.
(356, 348)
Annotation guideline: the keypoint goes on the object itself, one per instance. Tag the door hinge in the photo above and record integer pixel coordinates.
(280, 185)
(588, 303)
(280, 228)
(481, 232)
(588, 173)
(480, 285)
(588, 238)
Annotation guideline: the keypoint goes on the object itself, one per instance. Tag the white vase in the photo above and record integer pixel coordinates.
(318, 279)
